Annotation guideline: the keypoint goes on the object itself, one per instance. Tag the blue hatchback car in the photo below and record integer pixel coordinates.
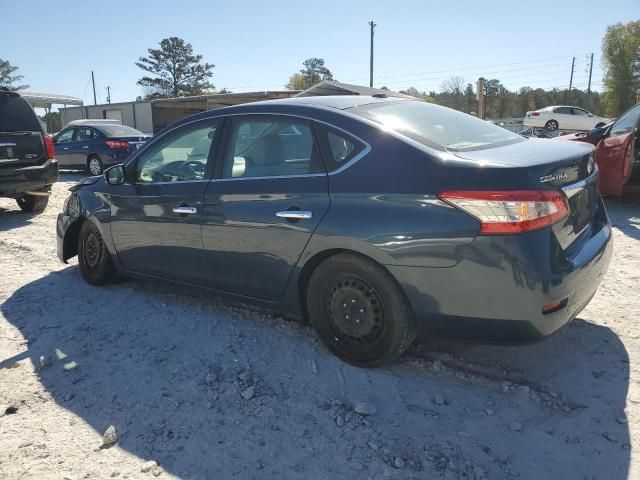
(96, 146)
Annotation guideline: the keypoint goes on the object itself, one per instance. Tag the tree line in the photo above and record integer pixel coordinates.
(503, 103)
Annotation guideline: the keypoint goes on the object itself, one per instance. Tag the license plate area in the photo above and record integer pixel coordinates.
(582, 206)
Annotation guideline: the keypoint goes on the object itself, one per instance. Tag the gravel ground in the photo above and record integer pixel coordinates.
(200, 389)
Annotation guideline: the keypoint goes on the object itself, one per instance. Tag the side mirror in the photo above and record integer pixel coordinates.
(115, 175)
(596, 133)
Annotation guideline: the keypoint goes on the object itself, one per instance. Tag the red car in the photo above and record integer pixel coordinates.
(617, 153)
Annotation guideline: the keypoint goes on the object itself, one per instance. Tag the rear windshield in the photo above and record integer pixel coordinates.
(437, 126)
(16, 114)
(119, 131)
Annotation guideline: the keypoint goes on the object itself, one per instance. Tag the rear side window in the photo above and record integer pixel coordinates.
(16, 114)
(338, 148)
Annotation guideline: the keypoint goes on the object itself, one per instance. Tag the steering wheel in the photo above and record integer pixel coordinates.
(194, 167)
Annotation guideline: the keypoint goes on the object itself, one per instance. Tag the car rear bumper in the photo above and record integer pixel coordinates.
(14, 181)
(497, 293)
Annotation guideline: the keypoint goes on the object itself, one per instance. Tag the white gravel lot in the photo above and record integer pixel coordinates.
(208, 390)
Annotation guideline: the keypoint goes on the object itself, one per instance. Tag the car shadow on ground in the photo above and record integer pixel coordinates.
(171, 370)
(624, 216)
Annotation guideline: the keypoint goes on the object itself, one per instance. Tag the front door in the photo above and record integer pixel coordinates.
(614, 154)
(156, 218)
(62, 143)
(269, 196)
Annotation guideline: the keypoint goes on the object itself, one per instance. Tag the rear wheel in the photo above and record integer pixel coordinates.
(94, 165)
(551, 125)
(359, 311)
(32, 203)
(94, 259)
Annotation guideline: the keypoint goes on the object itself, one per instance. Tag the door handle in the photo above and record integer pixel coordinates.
(86, 146)
(184, 210)
(65, 148)
(295, 214)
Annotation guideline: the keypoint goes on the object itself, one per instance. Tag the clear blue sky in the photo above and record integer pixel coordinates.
(258, 45)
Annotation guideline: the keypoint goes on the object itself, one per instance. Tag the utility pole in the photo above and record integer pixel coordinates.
(480, 97)
(590, 71)
(108, 94)
(573, 64)
(93, 81)
(372, 25)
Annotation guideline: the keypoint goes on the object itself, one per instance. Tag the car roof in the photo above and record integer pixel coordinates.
(339, 102)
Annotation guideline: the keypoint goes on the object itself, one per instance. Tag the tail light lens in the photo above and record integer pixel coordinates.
(510, 212)
(535, 114)
(117, 144)
(49, 147)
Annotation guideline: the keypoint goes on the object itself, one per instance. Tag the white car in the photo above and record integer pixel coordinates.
(563, 118)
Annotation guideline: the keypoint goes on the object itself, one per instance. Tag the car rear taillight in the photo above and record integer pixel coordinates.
(535, 114)
(117, 144)
(509, 212)
(49, 147)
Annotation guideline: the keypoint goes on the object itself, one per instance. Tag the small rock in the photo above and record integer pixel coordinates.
(621, 420)
(364, 408)
(439, 400)
(156, 472)
(489, 412)
(516, 426)
(244, 377)
(610, 437)
(148, 466)
(45, 361)
(357, 466)
(506, 386)
(373, 445)
(110, 436)
(248, 393)
(479, 472)
(437, 365)
(340, 421)
(70, 366)
(524, 389)
(210, 379)
(11, 409)
(399, 463)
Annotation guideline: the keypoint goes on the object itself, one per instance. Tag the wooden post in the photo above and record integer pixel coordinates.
(480, 97)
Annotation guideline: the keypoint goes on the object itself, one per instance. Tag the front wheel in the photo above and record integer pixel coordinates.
(551, 125)
(96, 266)
(32, 203)
(359, 311)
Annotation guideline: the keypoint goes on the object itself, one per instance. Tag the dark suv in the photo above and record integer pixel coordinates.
(27, 164)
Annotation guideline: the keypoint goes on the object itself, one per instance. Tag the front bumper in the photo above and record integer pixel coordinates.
(496, 293)
(14, 181)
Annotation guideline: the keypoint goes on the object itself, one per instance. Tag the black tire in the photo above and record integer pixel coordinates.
(94, 258)
(378, 322)
(551, 125)
(32, 203)
(94, 165)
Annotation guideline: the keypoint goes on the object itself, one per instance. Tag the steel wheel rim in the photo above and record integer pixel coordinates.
(553, 125)
(92, 249)
(355, 313)
(94, 166)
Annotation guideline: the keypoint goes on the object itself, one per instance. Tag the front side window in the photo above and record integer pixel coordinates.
(579, 111)
(436, 126)
(181, 156)
(627, 122)
(65, 136)
(271, 147)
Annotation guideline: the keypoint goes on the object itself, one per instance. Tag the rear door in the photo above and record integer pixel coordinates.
(84, 139)
(614, 154)
(581, 119)
(269, 195)
(156, 217)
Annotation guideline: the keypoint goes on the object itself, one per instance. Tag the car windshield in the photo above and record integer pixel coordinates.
(437, 126)
(119, 131)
